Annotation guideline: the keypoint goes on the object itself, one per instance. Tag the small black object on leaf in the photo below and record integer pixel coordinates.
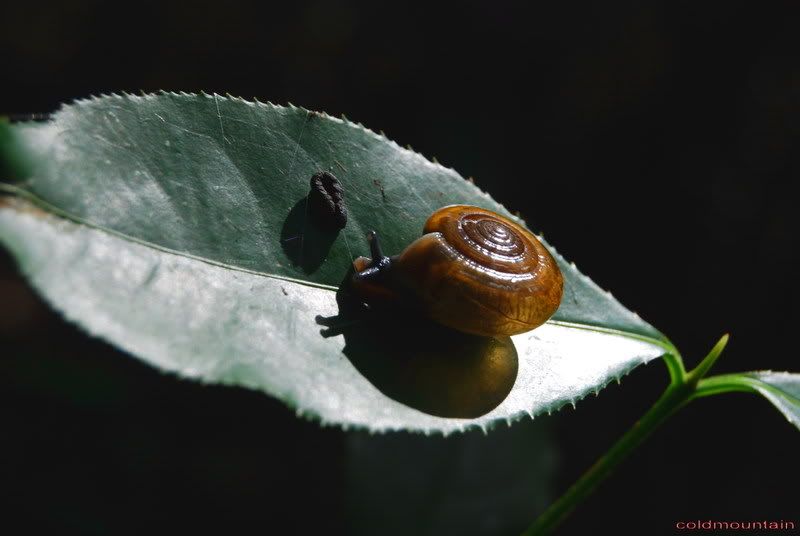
(326, 201)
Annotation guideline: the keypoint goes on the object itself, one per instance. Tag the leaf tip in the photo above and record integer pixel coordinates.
(724, 339)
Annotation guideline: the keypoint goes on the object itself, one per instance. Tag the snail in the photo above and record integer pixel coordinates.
(472, 270)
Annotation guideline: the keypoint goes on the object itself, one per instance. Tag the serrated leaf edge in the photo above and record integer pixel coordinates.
(308, 414)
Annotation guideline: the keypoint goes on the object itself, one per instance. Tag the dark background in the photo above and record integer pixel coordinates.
(655, 144)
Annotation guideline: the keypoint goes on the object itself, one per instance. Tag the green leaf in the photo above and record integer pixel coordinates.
(15, 162)
(174, 226)
(780, 388)
(783, 390)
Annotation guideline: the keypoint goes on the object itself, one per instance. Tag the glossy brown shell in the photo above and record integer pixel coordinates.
(481, 273)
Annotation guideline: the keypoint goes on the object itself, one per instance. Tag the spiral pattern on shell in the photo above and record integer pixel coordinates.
(487, 239)
(479, 272)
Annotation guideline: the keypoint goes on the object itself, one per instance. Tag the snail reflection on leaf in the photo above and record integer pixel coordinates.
(481, 278)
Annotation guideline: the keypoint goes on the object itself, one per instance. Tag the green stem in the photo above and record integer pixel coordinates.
(725, 383)
(705, 365)
(674, 363)
(672, 399)
(682, 389)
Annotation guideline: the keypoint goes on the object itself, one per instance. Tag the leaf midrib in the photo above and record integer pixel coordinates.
(47, 207)
(57, 211)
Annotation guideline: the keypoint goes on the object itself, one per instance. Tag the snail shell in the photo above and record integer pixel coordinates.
(472, 270)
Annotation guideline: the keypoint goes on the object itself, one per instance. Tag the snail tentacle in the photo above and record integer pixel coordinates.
(371, 275)
(378, 258)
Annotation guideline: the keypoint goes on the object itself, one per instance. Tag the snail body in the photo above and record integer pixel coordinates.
(472, 270)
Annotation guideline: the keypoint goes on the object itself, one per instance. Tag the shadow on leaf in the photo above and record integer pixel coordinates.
(422, 364)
